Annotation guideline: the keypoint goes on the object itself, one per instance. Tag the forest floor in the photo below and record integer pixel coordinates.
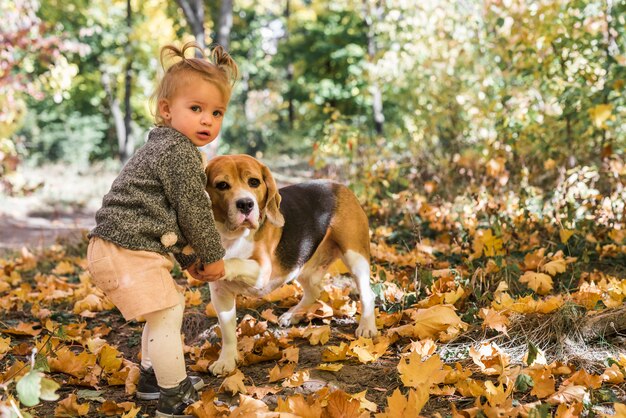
(502, 354)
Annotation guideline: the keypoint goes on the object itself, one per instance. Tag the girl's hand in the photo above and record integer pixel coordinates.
(207, 272)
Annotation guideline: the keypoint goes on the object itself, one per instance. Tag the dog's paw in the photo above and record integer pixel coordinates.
(366, 330)
(288, 319)
(223, 367)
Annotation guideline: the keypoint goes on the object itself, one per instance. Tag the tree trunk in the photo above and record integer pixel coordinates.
(225, 23)
(290, 105)
(194, 13)
(127, 145)
(371, 13)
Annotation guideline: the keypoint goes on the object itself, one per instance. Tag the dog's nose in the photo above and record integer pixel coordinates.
(245, 205)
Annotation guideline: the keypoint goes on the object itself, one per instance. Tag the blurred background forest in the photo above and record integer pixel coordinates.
(395, 96)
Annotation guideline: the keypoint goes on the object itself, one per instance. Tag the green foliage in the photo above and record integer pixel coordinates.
(35, 387)
(70, 137)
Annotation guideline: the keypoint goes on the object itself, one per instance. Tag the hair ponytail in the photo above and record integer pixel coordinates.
(225, 62)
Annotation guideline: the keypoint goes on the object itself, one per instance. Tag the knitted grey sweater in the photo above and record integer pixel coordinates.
(158, 202)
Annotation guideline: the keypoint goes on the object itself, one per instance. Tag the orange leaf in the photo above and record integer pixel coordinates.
(490, 358)
(249, 407)
(277, 373)
(23, 329)
(70, 407)
(234, 383)
(342, 405)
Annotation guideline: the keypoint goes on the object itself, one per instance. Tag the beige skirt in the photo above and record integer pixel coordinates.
(137, 282)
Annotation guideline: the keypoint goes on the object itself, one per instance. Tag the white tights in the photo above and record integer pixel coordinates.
(162, 347)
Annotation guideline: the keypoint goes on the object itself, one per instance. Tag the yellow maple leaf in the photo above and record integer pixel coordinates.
(568, 394)
(277, 373)
(493, 245)
(269, 316)
(399, 406)
(533, 260)
(495, 320)
(497, 395)
(64, 268)
(329, 367)
(234, 383)
(335, 352)
(565, 235)
(249, 407)
(5, 346)
(365, 404)
(110, 359)
(550, 304)
(317, 335)
(415, 372)
(340, 404)
(290, 354)
(77, 365)
(437, 322)
(366, 351)
(299, 406)
(539, 282)
(206, 406)
(569, 411)
(490, 358)
(544, 383)
(193, 297)
(618, 235)
(453, 375)
(554, 267)
(613, 374)
(296, 379)
(470, 388)
(23, 328)
(581, 377)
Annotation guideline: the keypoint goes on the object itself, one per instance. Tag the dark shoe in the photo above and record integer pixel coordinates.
(174, 401)
(148, 388)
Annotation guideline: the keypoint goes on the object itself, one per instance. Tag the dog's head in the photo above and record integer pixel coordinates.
(243, 193)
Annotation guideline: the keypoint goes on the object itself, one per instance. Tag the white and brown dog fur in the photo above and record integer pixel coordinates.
(273, 236)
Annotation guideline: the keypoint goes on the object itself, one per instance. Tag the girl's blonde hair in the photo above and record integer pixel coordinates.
(219, 68)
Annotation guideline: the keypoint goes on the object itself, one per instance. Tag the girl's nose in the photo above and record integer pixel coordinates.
(207, 119)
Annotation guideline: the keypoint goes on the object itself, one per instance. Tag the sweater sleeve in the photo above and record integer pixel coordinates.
(184, 182)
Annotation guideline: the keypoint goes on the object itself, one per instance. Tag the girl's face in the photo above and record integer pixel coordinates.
(196, 110)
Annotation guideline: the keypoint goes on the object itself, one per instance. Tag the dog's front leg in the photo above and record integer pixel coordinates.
(246, 271)
(224, 302)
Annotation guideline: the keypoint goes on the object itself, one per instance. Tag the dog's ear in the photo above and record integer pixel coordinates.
(272, 203)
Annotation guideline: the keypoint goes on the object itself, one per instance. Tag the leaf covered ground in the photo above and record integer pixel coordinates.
(486, 305)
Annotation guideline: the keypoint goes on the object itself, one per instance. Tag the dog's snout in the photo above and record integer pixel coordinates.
(245, 205)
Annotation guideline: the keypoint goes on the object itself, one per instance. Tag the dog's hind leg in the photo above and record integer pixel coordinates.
(224, 302)
(360, 268)
(311, 286)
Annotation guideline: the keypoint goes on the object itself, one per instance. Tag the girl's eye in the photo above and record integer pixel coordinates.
(196, 108)
(217, 113)
(222, 185)
(254, 183)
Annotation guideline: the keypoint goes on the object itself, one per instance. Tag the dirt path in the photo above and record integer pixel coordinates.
(63, 206)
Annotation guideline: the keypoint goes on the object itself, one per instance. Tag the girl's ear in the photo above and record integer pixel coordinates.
(164, 110)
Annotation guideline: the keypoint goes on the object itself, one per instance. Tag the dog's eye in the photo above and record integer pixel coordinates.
(254, 182)
(222, 185)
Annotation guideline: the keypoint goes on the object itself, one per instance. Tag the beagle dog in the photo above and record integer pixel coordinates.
(273, 236)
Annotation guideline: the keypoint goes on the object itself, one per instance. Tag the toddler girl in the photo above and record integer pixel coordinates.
(158, 205)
